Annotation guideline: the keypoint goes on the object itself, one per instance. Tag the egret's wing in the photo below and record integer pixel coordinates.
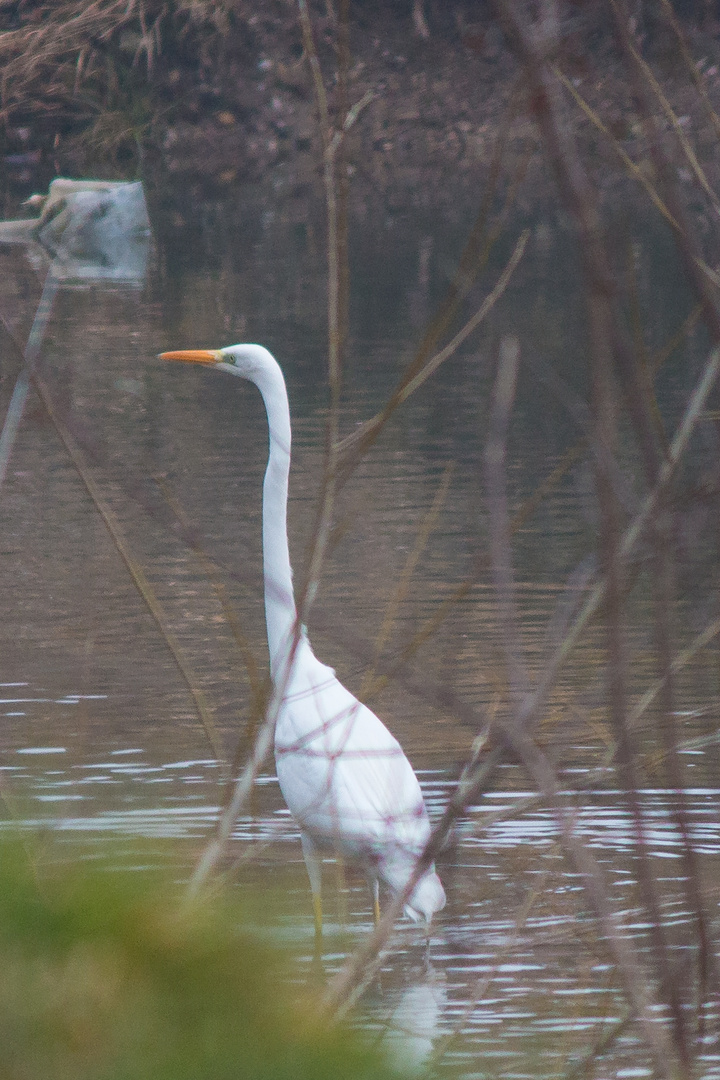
(343, 775)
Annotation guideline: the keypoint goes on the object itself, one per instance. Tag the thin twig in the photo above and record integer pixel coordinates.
(360, 968)
(514, 727)
(15, 410)
(134, 569)
(259, 686)
(362, 439)
(473, 260)
(606, 1041)
(499, 515)
(678, 662)
(216, 847)
(475, 996)
(692, 67)
(403, 584)
(579, 198)
(30, 375)
(683, 141)
(704, 282)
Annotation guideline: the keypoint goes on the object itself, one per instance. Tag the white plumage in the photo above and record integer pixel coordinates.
(344, 777)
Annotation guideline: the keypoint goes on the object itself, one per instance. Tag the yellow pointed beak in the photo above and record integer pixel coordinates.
(194, 356)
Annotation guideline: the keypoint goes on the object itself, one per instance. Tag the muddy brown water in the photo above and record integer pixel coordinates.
(100, 737)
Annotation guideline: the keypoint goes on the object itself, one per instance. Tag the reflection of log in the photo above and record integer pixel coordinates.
(18, 232)
(90, 229)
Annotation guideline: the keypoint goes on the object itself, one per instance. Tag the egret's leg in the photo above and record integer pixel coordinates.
(313, 864)
(341, 887)
(375, 886)
(317, 914)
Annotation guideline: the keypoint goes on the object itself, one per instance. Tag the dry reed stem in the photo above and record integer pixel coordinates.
(678, 662)
(704, 283)
(345, 988)
(651, 429)
(259, 686)
(578, 197)
(689, 250)
(605, 1043)
(134, 569)
(29, 354)
(401, 589)
(216, 847)
(640, 523)
(691, 66)
(664, 595)
(473, 260)
(257, 683)
(360, 968)
(684, 142)
(29, 374)
(636, 172)
(514, 727)
(602, 322)
(447, 699)
(663, 581)
(483, 983)
(521, 515)
(500, 534)
(688, 246)
(332, 142)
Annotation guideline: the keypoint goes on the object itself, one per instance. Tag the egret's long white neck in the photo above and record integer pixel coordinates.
(280, 613)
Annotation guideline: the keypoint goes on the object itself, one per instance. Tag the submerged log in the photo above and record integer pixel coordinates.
(88, 230)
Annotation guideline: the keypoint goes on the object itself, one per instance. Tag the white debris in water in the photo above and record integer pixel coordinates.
(43, 750)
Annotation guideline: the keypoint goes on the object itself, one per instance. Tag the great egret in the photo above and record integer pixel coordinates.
(344, 777)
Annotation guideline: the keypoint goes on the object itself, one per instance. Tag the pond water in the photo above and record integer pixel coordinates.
(100, 736)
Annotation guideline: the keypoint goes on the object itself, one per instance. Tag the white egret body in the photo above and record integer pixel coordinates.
(344, 777)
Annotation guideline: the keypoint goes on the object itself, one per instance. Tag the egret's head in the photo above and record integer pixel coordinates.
(427, 897)
(248, 361)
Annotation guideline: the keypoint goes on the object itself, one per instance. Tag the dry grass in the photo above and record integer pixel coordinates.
(59, 47)
(54, 54)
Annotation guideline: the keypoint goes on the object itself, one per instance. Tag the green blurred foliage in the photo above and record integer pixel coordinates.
(104, 975)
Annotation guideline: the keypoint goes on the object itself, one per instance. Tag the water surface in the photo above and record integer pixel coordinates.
(100, 735)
